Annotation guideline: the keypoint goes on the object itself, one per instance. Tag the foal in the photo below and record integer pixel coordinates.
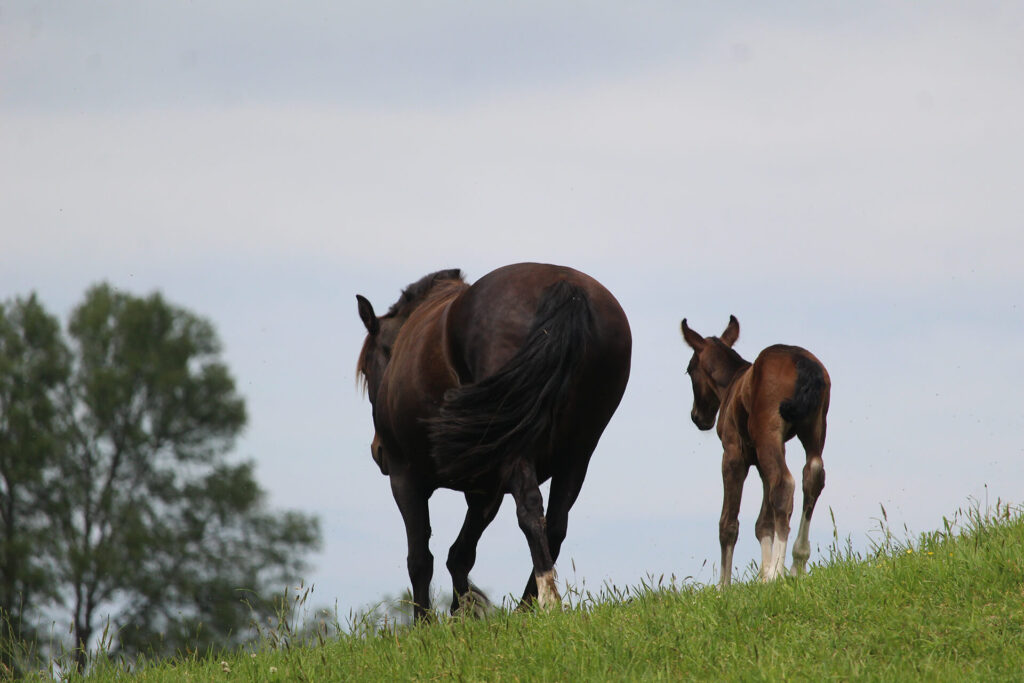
(760, 407)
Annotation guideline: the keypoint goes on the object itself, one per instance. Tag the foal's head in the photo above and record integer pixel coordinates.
(711, 369)
(382, 332)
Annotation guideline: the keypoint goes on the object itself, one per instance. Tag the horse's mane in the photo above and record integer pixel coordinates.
(417, 292)
(427, 287)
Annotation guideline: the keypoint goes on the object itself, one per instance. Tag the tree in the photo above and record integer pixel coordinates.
(34, 365)
(157, 537)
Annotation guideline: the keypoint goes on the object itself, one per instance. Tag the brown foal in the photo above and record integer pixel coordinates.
(760, 407)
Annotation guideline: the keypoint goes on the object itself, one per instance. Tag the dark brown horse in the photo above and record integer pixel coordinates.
(492, 389)
(760, 407)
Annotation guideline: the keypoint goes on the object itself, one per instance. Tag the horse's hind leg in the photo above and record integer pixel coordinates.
(565, 489)
(530, 511)
(412, 502)
(480, 512)
(814, 481)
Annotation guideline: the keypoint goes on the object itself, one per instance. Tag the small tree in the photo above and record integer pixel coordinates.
(34, 367)
(154, 535)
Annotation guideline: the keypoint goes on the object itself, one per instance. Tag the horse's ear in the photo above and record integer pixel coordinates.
(367, 315)
(450, 274)
(694, 340)
(732, 331)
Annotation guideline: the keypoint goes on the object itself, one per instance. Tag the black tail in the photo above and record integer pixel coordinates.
(513, 410)
(810, 382)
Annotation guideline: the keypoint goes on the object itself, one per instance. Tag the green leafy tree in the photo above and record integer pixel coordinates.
(34, 367)
(157, 538)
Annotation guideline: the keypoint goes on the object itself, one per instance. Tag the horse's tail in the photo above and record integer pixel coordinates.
(513, 410)
(810, 382)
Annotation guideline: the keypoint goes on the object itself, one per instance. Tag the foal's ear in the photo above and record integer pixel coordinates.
(732, 331)
(368, 316)
(694, 340)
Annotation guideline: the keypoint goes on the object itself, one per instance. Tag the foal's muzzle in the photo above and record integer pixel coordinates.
(377, 452)
(702, 423)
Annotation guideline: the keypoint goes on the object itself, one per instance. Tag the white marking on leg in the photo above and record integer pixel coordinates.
(766, 555)
(801, 547)
(726, 566)
(547, 592)
(777, 564)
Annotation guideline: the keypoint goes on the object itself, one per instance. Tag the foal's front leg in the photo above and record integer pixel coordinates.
(412, 502)
(734, 472)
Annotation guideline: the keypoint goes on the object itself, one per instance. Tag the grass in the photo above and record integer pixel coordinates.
(948, 605)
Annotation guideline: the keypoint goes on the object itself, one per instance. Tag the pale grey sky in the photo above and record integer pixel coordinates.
(846, 178)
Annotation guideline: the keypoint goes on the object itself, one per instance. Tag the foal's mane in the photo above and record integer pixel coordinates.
(426, 288)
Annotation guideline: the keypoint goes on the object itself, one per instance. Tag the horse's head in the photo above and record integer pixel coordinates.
(711, 369)
(381, 332)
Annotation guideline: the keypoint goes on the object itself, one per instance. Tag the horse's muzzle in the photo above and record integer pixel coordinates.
(377, 452)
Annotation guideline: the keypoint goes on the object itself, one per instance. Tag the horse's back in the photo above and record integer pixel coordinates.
(490, 321)
(542, 354)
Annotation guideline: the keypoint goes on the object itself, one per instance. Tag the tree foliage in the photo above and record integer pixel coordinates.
(154, 533)
(34, 366)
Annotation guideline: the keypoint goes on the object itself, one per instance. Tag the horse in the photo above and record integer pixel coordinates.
(488, 389)
(759, 407)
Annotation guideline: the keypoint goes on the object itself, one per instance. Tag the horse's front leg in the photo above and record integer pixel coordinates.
(734, 472)
(480, 512)
(412, 502)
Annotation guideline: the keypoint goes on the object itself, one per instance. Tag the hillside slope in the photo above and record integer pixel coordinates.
(948, 606)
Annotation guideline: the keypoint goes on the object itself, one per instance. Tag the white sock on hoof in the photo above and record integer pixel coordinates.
(547, 592)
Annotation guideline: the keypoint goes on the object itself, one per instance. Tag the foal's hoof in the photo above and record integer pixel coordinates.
(473, 603)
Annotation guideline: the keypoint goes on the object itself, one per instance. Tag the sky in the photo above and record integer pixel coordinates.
(847, 178)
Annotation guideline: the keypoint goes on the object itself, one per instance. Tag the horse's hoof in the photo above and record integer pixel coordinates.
(547, 591)
(473, 603)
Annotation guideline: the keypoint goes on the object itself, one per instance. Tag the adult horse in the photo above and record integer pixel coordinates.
(492, 389)
(761, 406)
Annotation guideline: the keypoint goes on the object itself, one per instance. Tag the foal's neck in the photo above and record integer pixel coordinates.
(729, 371)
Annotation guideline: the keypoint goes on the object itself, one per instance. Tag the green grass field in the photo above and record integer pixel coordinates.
(948, 605)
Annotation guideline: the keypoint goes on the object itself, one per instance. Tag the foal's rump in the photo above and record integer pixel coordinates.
(805, 373)
(513, 410)
(810, 383)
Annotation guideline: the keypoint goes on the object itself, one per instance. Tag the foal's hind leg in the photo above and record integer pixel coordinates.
(530, 511)
(814, 481)
(771, 459)
(480, 512)
(765, 527)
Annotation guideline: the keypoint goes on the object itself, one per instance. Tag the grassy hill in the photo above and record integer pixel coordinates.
(947, 606)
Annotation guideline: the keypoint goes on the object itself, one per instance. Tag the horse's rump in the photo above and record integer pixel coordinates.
(810, 382)
(513, 410)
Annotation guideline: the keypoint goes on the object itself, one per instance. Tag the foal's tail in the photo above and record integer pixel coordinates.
(810, 383)
(513, 410)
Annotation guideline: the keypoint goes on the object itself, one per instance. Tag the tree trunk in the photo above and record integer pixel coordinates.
(83, 634)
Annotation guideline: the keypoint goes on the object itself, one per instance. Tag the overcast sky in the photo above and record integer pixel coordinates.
(845, 177)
